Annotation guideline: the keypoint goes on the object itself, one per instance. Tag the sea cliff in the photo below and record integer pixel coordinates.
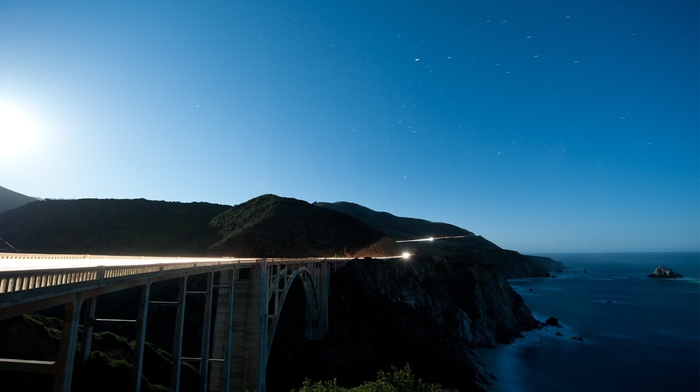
(428, 311)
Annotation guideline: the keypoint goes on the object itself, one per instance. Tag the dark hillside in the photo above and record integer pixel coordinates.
(11, 199)
(266, 226)
(394, 226)
(274, 226)
(124, 227)
(469, 248)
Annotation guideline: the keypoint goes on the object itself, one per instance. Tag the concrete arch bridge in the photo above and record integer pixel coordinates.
(243, 299)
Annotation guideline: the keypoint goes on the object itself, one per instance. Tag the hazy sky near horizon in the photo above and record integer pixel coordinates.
(544, 126)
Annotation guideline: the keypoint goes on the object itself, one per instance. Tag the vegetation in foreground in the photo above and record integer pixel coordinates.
(398, 380)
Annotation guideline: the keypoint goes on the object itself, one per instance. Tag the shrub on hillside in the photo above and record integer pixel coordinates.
(398, 380)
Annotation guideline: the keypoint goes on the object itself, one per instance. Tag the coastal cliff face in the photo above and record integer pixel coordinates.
(427, 311)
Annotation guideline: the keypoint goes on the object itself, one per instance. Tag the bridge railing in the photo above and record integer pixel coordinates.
(24, 280)
(14, 281)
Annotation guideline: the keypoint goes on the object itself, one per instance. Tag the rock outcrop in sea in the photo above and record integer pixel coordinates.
(664, 273)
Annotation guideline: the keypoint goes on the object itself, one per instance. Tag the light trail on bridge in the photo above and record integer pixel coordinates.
(444, 237)
(30, 261)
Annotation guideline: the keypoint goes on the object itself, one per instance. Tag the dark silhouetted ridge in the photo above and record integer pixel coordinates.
(107, 226)
(274, 226)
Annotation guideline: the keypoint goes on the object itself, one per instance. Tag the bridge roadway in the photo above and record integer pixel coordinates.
(236, 337)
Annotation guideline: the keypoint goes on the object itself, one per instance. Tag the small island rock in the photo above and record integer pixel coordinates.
(663, 272)
(553, 322)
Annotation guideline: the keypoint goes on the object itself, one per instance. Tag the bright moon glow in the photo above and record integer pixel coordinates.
(17, 130)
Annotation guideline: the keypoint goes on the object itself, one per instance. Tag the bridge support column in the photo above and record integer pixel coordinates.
(140, 340)
(66, 351)
(220, 373)
(206, 335)
(250, 328)
(177, 338)
(324, 286)
(88, 327)
(264, 327)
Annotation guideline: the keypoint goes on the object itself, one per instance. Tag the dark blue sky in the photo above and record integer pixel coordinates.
(544, 126)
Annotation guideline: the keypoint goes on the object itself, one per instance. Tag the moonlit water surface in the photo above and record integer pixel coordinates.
(639, 334)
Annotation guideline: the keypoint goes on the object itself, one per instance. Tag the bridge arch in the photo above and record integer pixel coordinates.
(313, 323)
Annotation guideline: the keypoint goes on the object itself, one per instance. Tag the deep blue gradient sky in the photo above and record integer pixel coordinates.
(544, 126)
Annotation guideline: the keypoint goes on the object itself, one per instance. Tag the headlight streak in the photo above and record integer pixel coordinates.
(433, 238)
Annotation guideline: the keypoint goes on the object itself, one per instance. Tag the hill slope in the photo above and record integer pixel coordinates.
(266, 226)
(396, 227)
(105, 226)
(11, 199)
(468, 247)
(274, 226)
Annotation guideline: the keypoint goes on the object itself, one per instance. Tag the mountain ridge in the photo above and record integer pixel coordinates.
(265, 226)
(274, 226)
(10, 199)
(449, 240)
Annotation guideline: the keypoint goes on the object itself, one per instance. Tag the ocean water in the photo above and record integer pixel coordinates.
(639, 334)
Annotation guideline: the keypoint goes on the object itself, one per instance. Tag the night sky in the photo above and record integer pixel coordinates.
(544, 126)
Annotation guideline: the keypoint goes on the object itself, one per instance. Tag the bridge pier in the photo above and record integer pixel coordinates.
(90, 305)
(177, 338)
(249, 332)
(220, 370)
(63, 375)
(140, 340)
